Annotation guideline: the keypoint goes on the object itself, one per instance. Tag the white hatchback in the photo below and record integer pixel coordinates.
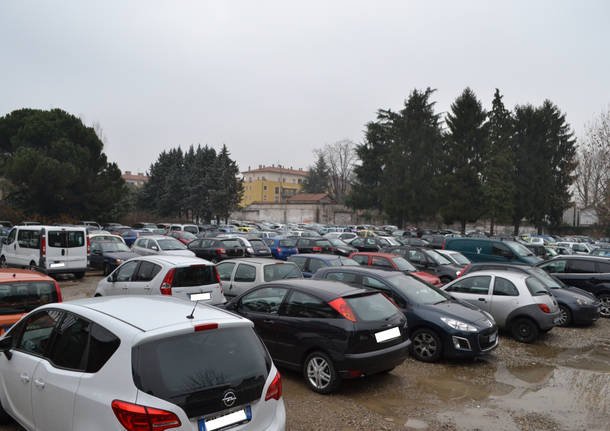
(189, 278)
(127, 363)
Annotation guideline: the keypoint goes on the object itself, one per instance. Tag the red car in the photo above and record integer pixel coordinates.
(393, 262)
(181, 235)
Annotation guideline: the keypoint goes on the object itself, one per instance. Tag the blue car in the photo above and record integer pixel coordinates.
(281, 248)
(309, 263)
(130, 235)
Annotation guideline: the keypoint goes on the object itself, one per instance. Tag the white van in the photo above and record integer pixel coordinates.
(51, 249)
(192, 228)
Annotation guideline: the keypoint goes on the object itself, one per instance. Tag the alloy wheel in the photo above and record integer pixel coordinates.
(604, 305)
(318, 372)
(425, 345)
(564, 317)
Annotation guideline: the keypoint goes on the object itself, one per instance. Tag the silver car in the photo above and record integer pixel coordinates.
(520, 303)
(188, 278)
(160, 244)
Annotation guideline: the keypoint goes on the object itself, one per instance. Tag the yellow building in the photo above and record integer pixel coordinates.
(271, 184)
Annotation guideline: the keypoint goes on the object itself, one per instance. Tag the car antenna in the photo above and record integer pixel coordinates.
(191, 316)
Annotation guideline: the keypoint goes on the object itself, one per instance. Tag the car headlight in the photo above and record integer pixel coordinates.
(459, 325)
(118, 261)
(581, 301)
(457, 273)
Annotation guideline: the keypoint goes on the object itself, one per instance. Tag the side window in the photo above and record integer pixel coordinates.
(315, 264)
(102, 344)
(37, 330)
(303, 305)
(245, 273)
(362, 259)
(70, 342)
(478, 285)
(504, 287)
(28, 238)
(344, 277)
(417, 256)
(555, 266)
(126, 271)
(499, 249)
(147, 271)
(11, 236)
(357, 242)
(140, 243)
(152, 244)
(195, 244)
(266, 300)
(603, 267)
(580, 267)
(95, 246)
(381, 261)
(373, 283)
(300, 261)
(225, 270)
(56, 238)
(269, 242)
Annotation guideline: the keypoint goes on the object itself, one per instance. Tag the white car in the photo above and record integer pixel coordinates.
(160, 244)
(188, 278)
(131, 363)
(240, 275)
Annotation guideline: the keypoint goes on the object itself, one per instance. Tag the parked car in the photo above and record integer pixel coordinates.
(178, 276)
(405, 240)
(107, 255)
(327, 330)
(217, 249)
(342, 248)
(434, 240)
(240, 275)
(346, 237)
(127, 362)
(491, 250)
(160, 244)
(183, 236)
(51, 249)
(439, 326)
(542, 251)
(281, 248)
(601, 251)
(394, 262)
(21, 291)
(454, 257)
(589, 273)
(314, 245)
(310, 263)
(192, 228)
(130, 235)
(373, 243)
(519, 302)
(105, 237)
(575, 247)
(90, 223)
(144, 225)
(260, 249)
(575, 305)
(428, 260)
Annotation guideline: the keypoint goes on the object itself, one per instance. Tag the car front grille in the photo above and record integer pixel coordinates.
(483, 338)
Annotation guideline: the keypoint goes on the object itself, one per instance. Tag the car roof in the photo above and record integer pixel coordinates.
(256, 260)
(372, 253)
(158, 237)
(580, 257)
(363, 269)
(325, 289)
(507, 273)
(8, 275)
(317, 256)
(149, 313)
(173, 259)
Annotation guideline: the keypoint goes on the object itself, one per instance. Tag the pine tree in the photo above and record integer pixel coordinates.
(317, 177)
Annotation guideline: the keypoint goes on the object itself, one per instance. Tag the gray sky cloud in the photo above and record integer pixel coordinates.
(275, 79)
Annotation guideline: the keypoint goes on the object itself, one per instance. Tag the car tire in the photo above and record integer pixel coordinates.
(107, 269)
(320, 374)
(3, 262)
(426, 346)
(524, 330)
(565, 316)
(604, 300)
(97, 295)
(79, 275)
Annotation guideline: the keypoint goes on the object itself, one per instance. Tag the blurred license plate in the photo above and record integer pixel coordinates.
(57, 265)
(201, 296)
(218, 422)
(386, 335)
(492, 337)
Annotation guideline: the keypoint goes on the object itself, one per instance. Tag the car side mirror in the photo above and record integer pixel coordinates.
(155, 248)
(6, 344)
(112, 277)
(98, 252)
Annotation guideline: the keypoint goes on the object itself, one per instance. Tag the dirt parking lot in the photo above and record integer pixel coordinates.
(562, 382)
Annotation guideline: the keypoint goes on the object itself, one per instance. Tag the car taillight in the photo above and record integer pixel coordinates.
(296, 250)
(206, 327)
(341, 306)
(317, 249)
(88, 246)
(275, 388)
(43, 246)
(218, 278)
(135, 417)
(463, 270)
(221, 251)
(332, 249)
(279, 250)
(59, 298)
(166, 286)
(444, 243)
(544, 308)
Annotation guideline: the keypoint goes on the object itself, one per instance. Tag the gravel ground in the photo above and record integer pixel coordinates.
(561, 382)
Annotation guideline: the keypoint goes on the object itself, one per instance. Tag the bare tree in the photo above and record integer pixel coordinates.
(340, 158)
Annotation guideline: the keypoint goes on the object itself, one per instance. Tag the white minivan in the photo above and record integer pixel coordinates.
(51, 249)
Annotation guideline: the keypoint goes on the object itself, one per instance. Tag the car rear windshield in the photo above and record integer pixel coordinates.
(323, 243)
(191, 229)
(535, 286)
(403, 264)
(279, 271)
(371, 307)
(194, 370)
(231, 243)
(257, 243)
(65, 239)
(288, 243)
(109, 246)
(343, 261)
(171, 244)
(196, 275)
(24, 296)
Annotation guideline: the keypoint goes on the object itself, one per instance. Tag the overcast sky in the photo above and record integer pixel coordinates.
(275, 79)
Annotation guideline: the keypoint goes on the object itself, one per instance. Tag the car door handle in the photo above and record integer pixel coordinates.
(482, 299)
(39, 384)
(63, 252)
(270, 321)
(25, 378)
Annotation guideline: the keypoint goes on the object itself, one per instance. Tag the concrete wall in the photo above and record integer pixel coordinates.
(296, 213)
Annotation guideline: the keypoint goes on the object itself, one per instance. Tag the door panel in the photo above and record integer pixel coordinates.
(17, 376)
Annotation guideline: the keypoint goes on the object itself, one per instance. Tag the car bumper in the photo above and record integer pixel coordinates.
(585, 314)
(63, 270)
(470, 344)
(373, 362)
(548, 320)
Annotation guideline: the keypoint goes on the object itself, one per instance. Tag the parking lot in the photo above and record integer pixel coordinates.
(562, 382)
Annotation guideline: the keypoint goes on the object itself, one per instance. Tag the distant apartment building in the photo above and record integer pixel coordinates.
(271, 184)
(135, 180)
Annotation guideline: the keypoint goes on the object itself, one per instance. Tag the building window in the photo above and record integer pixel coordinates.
(264, 197)
(300, 181)
(277, 190)
(264, 187)
(277, 199)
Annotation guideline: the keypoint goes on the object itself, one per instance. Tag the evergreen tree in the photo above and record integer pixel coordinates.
(465, 149)
(317, 177)
(227, 193)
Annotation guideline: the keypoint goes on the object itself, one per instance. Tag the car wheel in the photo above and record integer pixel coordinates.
(445, 280)
(524, 330)
(31, 266)
(79, 275)
(565, 316)
(320, 374)
(106, 269)
(426, 345)
(3, 262)
(97, 295)
(604, 305)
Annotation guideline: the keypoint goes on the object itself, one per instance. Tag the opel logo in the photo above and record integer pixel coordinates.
(229, 398)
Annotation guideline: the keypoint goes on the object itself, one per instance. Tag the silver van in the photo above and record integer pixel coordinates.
(50, 249)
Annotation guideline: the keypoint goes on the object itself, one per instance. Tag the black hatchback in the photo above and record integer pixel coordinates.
(217, 249)
(327, 330)
(439, 325)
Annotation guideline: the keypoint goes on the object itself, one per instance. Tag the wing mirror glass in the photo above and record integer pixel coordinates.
(6, 344)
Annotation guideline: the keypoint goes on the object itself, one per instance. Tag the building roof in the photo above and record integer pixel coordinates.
(308, 197)
(276, 169)
(128, 176)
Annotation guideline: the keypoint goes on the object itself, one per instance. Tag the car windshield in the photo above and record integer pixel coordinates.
(550, 281)
(230, 243)
(416, 291)
(403, 264)
(109, 247)
(343, 261)
(521, 250)
(280, 271)
(460, 258)
(439, 259)
(171, 244)
(288, 243)
(24, 296)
